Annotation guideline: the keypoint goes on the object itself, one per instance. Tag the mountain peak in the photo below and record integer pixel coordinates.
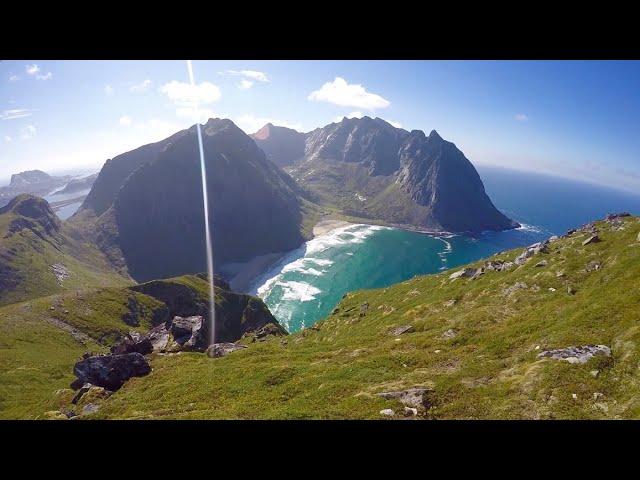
(31, 209)
(434, 135)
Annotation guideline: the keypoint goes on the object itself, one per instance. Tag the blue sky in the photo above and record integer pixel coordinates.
(575, 119)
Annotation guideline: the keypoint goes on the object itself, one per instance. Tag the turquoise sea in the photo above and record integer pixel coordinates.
(308, 283)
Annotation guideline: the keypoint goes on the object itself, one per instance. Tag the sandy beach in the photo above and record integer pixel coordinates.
(325, 226)
(242, 274)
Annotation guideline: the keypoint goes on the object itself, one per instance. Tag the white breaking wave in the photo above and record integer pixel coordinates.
(530, 228)
(299, 291)
(300, 259)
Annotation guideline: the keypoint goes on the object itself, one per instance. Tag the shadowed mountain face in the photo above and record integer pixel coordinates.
(368, 168)
(116, 170)
(157, 217)
(283, 146)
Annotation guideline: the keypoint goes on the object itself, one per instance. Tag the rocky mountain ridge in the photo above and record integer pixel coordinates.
(371, 169)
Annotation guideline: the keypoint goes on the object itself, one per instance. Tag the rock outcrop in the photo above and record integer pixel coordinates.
(110, 371)
(576, 354)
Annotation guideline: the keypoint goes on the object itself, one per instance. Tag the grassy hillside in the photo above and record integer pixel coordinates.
(475, 343)
(42, 339)
(39, 255)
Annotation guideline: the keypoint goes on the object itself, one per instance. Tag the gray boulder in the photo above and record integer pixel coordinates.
(133, 342)
(221, 349)
(111, 371)
(189, 332)
(591, 239)
(465, 272)
(402, 329)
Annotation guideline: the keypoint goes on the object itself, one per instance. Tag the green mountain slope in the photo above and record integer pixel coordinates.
(42, 339)
(39, 255)
(474, 346)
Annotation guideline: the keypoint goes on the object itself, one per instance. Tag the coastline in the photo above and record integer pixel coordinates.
(244, 273)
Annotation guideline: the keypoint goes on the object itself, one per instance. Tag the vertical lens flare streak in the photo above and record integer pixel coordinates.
(205, 199)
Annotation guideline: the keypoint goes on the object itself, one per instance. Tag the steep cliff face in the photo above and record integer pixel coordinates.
(283, 146)
(437, 175)
(370, 169)
(155, 226)
(116, 170)
(372, 143)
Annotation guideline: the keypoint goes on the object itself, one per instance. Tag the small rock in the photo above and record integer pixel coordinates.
(84, 389)
(221, 349)
(551, 289)
(576, 354)
(638, 238)
(574, 396)
(537, 347)
(541, 263)
(560, 274)
(90, 408)
(591, 239)
(450, 303)
(387, 412)
(553, 238)
(402, 329)
(413, 397)
(465, 272)
(592, 266)
(451, 333)
(571, 290)
(437, 351)
(597, 395)
(594, 373)
(410, 412)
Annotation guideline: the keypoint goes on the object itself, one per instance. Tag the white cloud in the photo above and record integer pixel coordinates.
(245, 84)
(251, 124)
(28, 132)
(14, 78)
(108, 89)
(32, 69)
(249, 74)
(47, 76)
(125, 121)
(141, 87)
(521, 117)
(15, 113)
(7, 139)
(341, 93)
(180, 92)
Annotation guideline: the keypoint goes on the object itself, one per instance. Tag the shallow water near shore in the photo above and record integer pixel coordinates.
(306, 284)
